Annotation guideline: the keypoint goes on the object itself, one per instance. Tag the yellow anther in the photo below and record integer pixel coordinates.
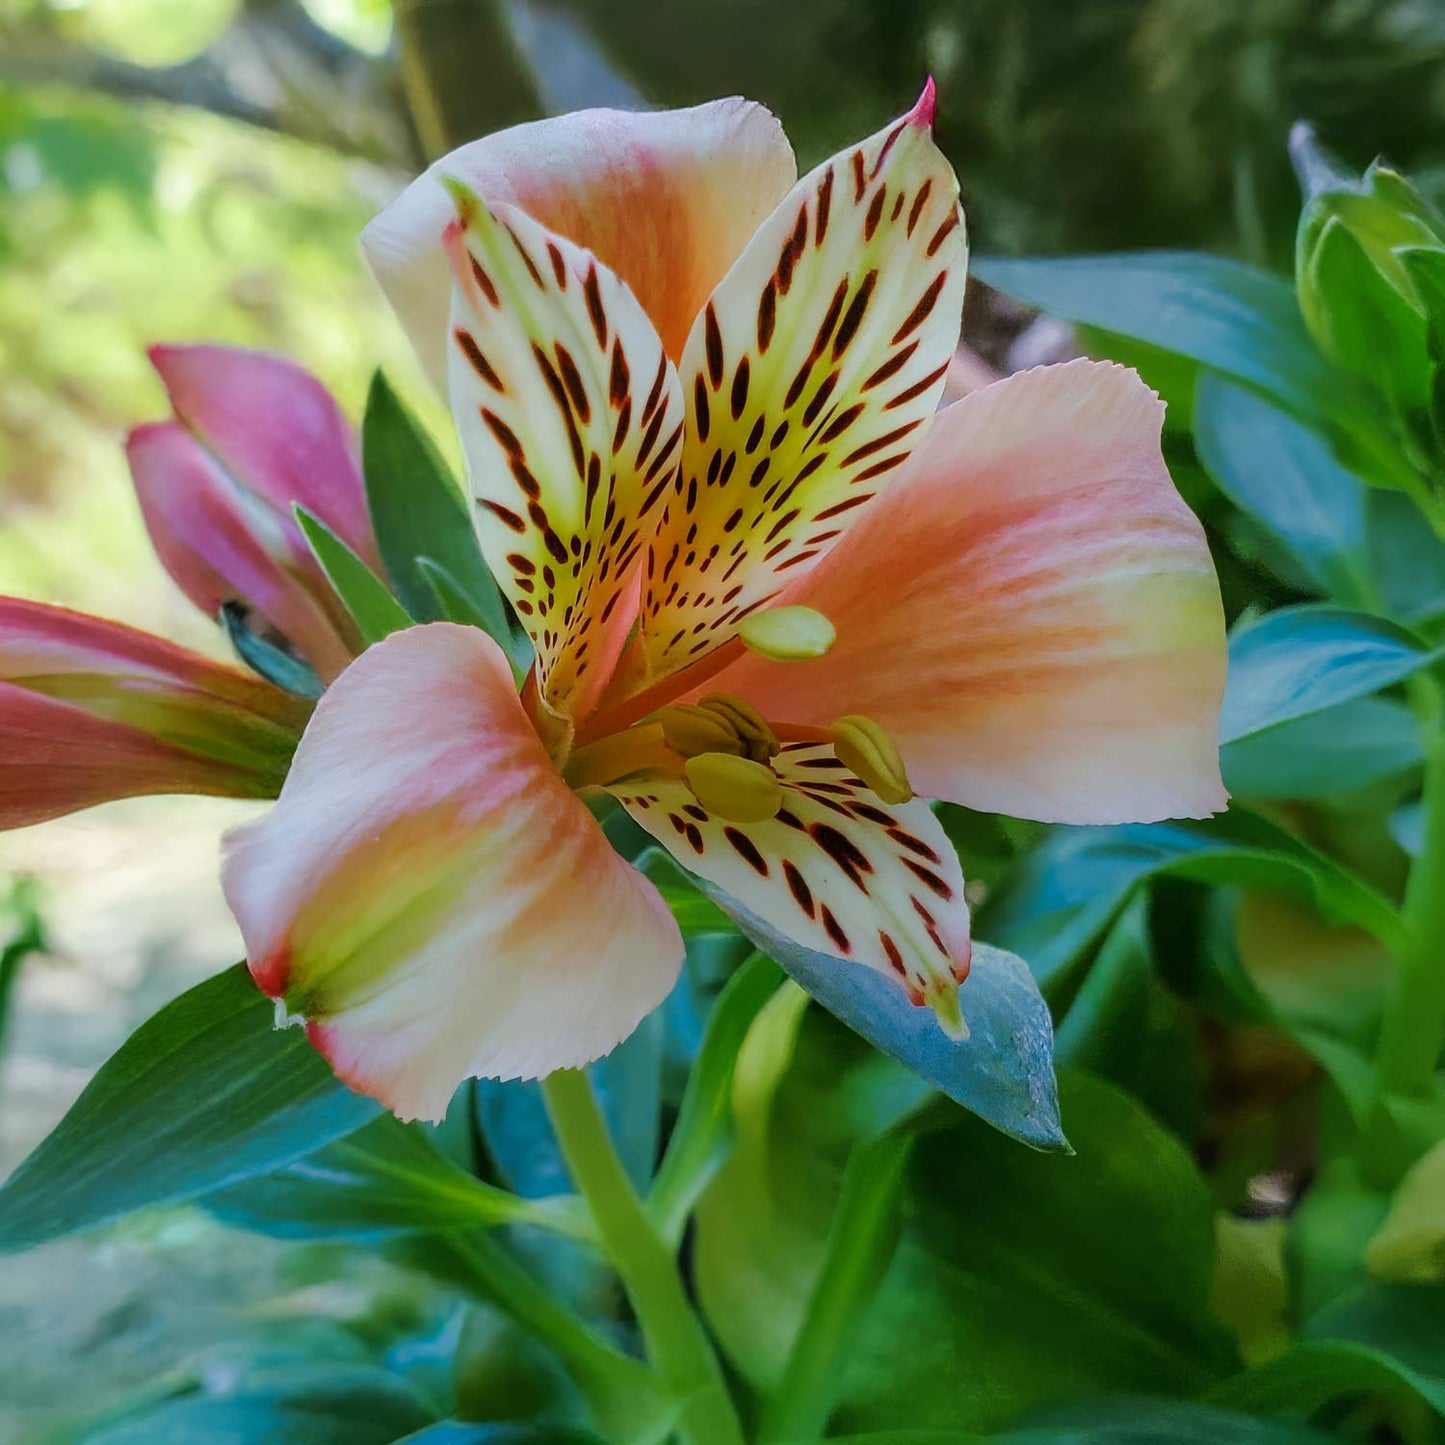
(787, 634)
(693, 730)
(736, 789)
(863, 747)
(749, 725)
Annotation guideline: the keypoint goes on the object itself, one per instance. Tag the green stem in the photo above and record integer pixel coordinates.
(861, 1243)
(676, 1342)
(1414, 1020)
(621, 1392)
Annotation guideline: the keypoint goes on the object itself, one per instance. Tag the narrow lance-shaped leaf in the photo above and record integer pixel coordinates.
(206, 1093)
(704, 1128)
(861, 1242)
(418, 512)
(376, 612)
(385, 1177)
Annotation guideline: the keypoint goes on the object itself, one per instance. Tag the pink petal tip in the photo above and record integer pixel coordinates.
(922, 114)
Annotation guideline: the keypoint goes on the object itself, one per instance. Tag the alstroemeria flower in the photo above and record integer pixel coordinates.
(91, 711)
(771, 595)
(252, 434)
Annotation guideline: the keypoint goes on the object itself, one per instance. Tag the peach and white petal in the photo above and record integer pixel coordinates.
(1030, 611)
(837, 870)
(429, 896)
(808, 379)
(665, 199)
(571, 420)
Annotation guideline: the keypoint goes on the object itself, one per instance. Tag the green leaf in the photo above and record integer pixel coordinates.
(387, 1176)
(262, 657)
(206, 1093)
(1409, 1247)
(507, 1432)
(1064, 895)
(376, 612)
(1285, 475)
(1341, 750)
(704, 1131)
(22, 933)
(1050, 1276)
(862, 1238)
(1225, 315)
(456, 604)
(417, 511)
(1406, 558)
(1302, 660)
(1003, 1071)
(1155, 1422)
(358, 1405)
(1123, 1025)
(1384, 1341)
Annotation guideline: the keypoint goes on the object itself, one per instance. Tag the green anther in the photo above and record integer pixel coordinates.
(787, 634)
(862, 746)
(736, 789)
(692, 730)
(941, 995)
(749, 725)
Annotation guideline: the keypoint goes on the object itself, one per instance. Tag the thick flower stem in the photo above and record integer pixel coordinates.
(676, 1343)
(1414, 1021)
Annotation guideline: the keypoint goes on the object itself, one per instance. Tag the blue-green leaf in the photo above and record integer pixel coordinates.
(506, 1432)
(1337, 751)
(1224, 315)
(1063, 896)
(387, 1176)
(375, 611)
(1285, 475)
(1302, 660)
(358, 1404)
(266, 659)
(206, 1093)
(1004, 1070)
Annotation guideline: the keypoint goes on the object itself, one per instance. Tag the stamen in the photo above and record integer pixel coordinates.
(787, 634)
(692, 729)
(867, 750)
(736, 789)
(620, 755)
(759, 741)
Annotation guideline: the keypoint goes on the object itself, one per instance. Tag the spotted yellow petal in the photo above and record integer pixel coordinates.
(807, 378)
(837, 870)
(571, 419)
